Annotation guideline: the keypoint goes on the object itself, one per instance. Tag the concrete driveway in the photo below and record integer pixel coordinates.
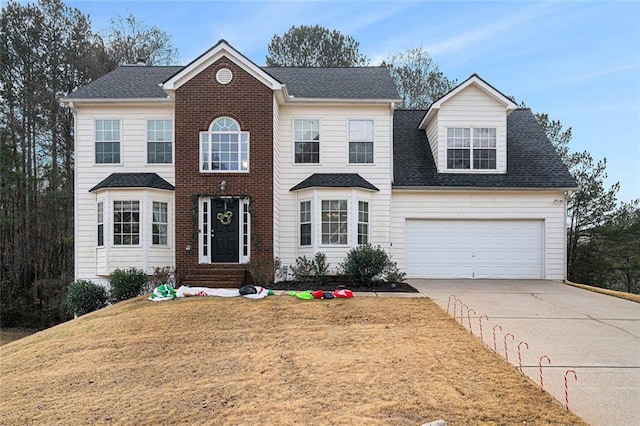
(595, 335)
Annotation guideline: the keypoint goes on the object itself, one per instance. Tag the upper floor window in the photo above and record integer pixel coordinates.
(224, 148)
(471, 148)
(360, 141)
(126, 223)
(334, 222)
(307, 141)
(160, 224)
(107, 141)
(159, 141)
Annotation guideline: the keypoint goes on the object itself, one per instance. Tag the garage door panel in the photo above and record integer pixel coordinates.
(474, 248)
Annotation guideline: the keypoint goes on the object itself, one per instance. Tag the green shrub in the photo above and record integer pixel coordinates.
(320, 269)
(263, 270)
(85, 296)
(364, 263)
(126, 284)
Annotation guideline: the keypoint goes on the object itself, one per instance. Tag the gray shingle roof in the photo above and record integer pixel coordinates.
(127, 82)
(140, 82)
(532, 161)
(134, 180)
(336, 83)
(335, 180)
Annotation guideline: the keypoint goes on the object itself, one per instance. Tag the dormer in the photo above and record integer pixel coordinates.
(467, 128)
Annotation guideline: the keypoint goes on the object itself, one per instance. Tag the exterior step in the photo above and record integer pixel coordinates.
(216, 276)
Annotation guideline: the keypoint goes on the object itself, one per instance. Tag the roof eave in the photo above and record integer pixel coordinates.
(481, 188)
(293, 99)
(115, 100)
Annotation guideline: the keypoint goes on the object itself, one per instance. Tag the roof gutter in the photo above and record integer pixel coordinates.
(477, 188)
(116, 100)
(292, 99)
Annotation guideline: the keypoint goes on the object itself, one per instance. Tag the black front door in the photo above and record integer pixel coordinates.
(225, 240)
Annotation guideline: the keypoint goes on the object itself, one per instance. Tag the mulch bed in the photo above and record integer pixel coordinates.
(336, 283)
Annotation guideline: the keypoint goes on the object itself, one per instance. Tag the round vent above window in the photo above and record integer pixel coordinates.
(224, 76)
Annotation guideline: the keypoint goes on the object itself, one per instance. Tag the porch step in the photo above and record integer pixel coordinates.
(216, 276)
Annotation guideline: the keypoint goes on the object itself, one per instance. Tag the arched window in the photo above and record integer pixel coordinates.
(224, 148)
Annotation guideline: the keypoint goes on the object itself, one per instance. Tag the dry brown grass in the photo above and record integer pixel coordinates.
(619, 294)
(367, 360)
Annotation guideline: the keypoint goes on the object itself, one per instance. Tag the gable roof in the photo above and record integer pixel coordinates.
(373, 83)
(476, 81)
(135, 83)
(127, 82)
(335, 180)
(134, 180)
(219, 50)
(532, 161)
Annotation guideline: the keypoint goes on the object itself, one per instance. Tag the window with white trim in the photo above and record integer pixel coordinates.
(224, 148)
(363, 222)
(107, 143)
(160, 224)
(100, 224)
(471, 148)
(159, 141)
(335, 229)
(126, 223)
(305, 223)
(360, 141)
(307, 141)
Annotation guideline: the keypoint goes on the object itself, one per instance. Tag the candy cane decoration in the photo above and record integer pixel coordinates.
(480, 320)
(469, 319)
(495, 348)
(566, 387)
(540, 368)
(506, 352)
(455, 306)
(461, 319)
(520, 355)
(449, 301)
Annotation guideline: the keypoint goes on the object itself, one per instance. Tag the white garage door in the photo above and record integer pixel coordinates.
(474, 248)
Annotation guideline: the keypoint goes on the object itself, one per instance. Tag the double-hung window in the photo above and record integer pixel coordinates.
(335, 230)
(126, 223)
(305, 223)
(307, 141)
(471, 148)
(107, 144)
(224, 148)
(159, 141)
(360, 141)
(363, 222)
(100, 223)
(160, 224)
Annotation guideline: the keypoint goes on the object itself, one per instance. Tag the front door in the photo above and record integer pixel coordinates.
(225, 221)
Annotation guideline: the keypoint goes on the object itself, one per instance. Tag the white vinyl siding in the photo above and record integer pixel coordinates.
(544, 206)
(334, 149)
(93, 262)
(471, 108)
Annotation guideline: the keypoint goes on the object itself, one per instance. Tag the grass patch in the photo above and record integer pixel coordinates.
(619, 294)
(367, 360)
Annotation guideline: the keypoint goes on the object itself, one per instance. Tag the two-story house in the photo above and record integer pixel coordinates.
(208, 166)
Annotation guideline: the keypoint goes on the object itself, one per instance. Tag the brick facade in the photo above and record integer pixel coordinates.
(197, 104)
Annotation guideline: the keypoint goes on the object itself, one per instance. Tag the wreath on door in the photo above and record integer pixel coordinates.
(225, 218)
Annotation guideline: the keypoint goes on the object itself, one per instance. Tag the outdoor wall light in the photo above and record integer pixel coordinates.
(223, 185)
(188, 248)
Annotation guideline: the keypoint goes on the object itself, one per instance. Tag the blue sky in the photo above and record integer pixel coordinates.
(578, 61)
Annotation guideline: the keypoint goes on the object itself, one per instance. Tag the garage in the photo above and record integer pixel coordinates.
(474, 248)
